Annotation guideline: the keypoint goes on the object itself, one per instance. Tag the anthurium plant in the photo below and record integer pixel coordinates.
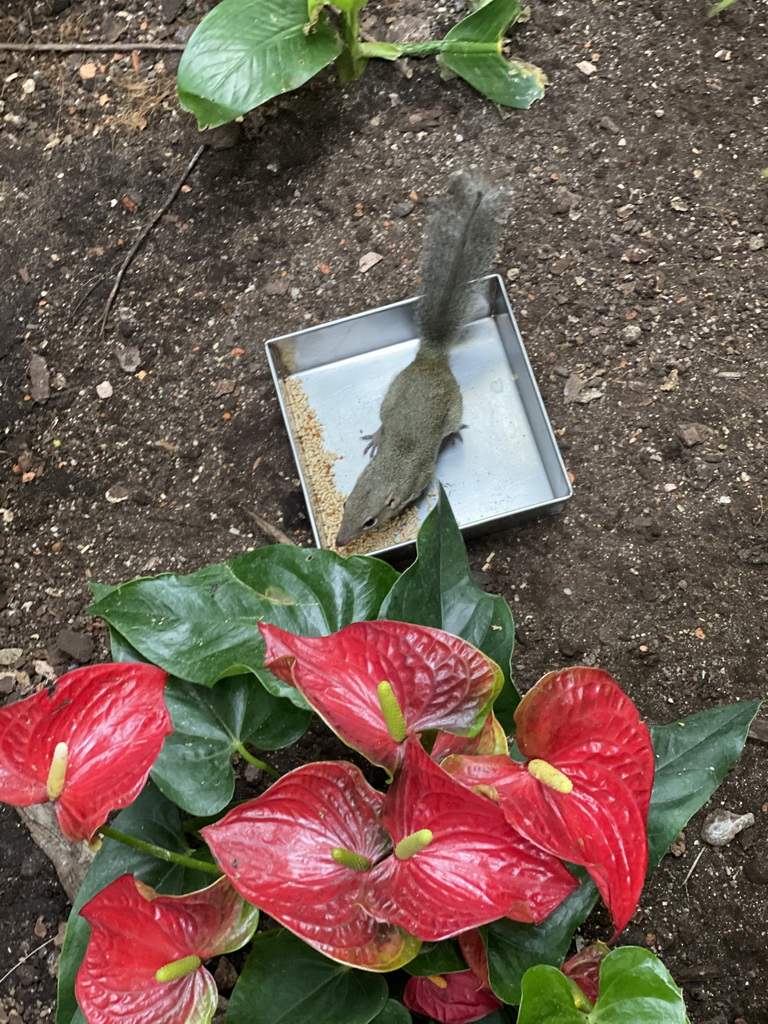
(244, 52)
(438, 872)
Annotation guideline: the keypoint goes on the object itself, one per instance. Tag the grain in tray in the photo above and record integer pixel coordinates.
(317, 463)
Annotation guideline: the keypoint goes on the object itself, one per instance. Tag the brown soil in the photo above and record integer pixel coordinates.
(635, 264)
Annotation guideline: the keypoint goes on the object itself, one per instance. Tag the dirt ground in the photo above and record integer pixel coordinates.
(635, 262)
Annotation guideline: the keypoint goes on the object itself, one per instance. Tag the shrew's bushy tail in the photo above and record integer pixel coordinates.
(459, 245)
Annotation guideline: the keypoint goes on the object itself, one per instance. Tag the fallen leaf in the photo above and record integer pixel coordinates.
(369, 260)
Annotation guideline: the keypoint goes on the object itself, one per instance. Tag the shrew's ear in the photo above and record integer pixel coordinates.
(392, 500)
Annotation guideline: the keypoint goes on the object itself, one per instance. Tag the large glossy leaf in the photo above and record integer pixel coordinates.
(244, 52)
(514, 947)
(436, 681)
(155, 820)
(438, 591)
(437, 958)
(693, 757)
(302, 852)
(203, 626)
(284, 981)
(473, 868)
(453, 999)
(634, 987)
(472, 49)
(137, 936)
(393, 1013)
(209, 725)
(87, 745)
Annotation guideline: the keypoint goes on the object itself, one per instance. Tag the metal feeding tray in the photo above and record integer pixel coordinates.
(503, 468)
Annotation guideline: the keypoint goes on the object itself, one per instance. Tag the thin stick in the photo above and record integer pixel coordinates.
(86, 47)
(693, 866)
(273, 532)
(24, 958)
(142, 235)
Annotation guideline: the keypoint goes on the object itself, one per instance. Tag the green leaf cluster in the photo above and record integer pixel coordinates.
(245, 52)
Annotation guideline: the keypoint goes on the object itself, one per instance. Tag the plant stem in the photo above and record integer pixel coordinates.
(256, 762)
(391, 51)
(158, 851)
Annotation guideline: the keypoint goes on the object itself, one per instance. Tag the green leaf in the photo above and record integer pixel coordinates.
(244, 52)
(195, 766)
(393, 1013)
(203, 627)
(437, 958)
(634, 987)
(151, 818)
(472, 49)
(285, 981)
(722, 5)
(513, 948)
(693, 757)
(438, 591)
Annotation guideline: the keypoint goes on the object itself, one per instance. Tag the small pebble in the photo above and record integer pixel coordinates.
(720, 827)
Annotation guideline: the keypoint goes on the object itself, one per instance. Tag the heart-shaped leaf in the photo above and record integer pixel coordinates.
(144, 957)
(457, 864)
(203, 626)
(435, 681)
(437, 958)
(693, 757)
(244, 52)
(284, 981)
(634, 986)
(194, 768)
(303, 852)
(438, 590)
(155, 820)
(87, 746)
(472, 49)
(450, 999)
(393, 1013)
(513, 947)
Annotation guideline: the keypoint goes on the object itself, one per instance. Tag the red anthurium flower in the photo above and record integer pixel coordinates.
(490, 740)
(473, 950)
(144, 958)
(583, 795)
(584, 968)
(87, 745)
(450, 998)
(456, 863)
(376, 682)
(303, 851)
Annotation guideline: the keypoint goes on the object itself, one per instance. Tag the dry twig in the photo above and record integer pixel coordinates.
(141, 236)
(273, 532)
(87, 47)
